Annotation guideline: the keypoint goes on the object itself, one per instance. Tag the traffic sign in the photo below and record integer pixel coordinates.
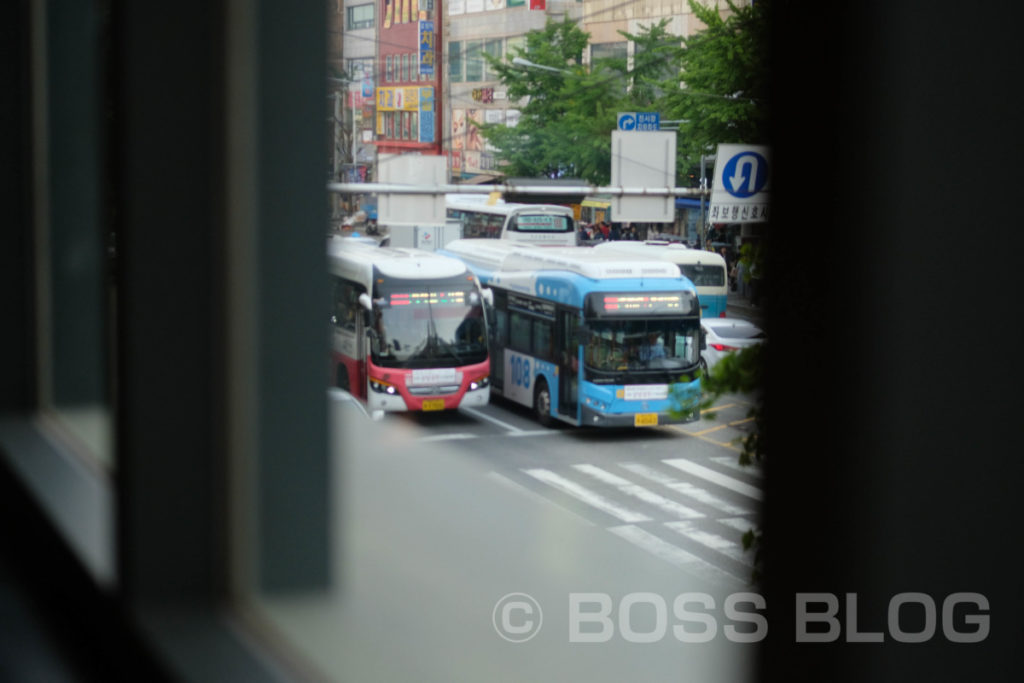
(639, 120)
(740, 191)
(644, 159)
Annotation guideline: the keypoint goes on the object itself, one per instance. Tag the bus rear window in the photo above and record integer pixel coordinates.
(541, 223)
(704, 276)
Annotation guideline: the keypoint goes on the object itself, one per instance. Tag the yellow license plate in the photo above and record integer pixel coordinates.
(433, 404)
(645, 420)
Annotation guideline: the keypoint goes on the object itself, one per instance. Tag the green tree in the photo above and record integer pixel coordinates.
(715, 81)
(565, 126)
(725, 81)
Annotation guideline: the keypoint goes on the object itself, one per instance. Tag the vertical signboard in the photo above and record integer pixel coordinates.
(427, 52)
(426, 133)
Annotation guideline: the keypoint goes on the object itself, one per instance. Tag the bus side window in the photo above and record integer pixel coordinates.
(542, 339)
(494, 226)
(519, 332)
(346, 305)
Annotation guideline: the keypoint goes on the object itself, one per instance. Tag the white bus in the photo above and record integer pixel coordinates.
(705, 269)
(545, 224)
(407, 329)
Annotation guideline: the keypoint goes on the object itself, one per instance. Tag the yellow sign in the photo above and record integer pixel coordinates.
(398, 99)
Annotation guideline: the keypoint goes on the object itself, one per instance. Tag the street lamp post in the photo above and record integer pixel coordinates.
(527, 64)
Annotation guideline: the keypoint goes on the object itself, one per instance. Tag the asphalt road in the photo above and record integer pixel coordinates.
(676, 492)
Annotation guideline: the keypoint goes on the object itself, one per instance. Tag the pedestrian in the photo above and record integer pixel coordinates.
(741, 278)
(605, 229)
(614, 233)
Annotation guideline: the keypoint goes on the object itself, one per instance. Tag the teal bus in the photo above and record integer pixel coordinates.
(587, 337)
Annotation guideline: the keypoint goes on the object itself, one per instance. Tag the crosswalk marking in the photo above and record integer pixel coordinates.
(743, 524)
(730, 548)
(683, 559)
(587, 496)
(533, 495)
(734, 463)
(686, 488)
(698, 543)
(637, 491)
(715, 477)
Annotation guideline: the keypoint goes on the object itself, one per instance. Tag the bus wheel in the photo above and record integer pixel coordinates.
(342, 380)
(542, 403)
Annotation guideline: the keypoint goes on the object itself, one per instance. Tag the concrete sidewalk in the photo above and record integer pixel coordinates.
(738, 306)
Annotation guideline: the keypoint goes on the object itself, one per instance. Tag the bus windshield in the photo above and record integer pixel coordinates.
(616, 345)
(435, 324)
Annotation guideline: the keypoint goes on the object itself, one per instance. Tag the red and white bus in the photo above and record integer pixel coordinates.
(407, 330)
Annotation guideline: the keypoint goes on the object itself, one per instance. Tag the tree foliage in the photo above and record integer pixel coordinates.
(724, 79)
(564, 126)
(715, 81)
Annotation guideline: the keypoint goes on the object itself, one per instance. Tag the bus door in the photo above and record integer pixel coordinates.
(568, 364)
(497, 329)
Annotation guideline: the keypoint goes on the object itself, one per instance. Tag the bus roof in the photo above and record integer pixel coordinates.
(499, 256)
(667, 251)
(502, 208)
(356, 259)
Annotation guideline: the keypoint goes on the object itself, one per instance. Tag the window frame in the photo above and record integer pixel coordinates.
(354, 24)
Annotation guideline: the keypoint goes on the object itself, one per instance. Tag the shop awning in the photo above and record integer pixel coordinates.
(687, 203)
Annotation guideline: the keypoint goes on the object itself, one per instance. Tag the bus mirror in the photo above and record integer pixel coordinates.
(703, 340)
(488, 295)
(365, 301)
(582, 334)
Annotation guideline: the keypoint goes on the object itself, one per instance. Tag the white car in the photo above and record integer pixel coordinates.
(722, 336)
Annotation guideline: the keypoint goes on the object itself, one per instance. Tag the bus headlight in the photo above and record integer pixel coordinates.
(382, 387)
(480, 383)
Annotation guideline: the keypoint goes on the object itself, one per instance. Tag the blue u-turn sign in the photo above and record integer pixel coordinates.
(742, 184)
(745, 174)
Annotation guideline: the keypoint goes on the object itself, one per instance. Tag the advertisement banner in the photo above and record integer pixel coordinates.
(427, 121)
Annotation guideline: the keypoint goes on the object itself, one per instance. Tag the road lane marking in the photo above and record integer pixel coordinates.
(686, 488)
(731, 549)
(637, 491)
(716, 477)
(698, 435)
(673, 554)
(536, 432)
(448, 437)
(494, 420)
(587, 496)
(709, 430)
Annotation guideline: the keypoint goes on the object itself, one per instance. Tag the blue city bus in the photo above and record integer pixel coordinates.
(587, 337)
(705, 269)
